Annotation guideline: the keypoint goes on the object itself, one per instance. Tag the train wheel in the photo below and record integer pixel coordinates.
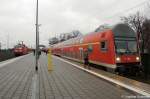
(16, 55)
(135, 71)
(121, 70)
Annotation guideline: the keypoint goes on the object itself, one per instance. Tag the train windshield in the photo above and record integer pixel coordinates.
(126, 46)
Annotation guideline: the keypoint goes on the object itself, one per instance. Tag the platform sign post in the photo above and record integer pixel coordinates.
(50, 64)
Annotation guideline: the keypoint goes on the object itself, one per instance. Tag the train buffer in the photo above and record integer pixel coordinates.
(19, 80)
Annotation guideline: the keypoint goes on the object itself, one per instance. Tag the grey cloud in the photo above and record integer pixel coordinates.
(17, 17)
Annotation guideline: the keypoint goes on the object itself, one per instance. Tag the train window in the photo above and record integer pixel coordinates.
(90, 48)
(103, 46)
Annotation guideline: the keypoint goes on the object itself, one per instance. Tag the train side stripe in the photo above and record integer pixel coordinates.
(81, 44)
(94, 62)
(104, 64)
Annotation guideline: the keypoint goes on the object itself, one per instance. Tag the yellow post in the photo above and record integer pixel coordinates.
(50, 65)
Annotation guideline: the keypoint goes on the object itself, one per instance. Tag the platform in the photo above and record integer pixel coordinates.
(18, 80)
(140, 87)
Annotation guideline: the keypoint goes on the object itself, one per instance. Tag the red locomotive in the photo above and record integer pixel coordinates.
(115, 48)
(20, 49)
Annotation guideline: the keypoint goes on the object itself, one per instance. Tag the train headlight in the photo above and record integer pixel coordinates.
(118, 59)
(137, 58)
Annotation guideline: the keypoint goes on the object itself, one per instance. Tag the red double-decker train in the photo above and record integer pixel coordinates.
(115, 48)
(20, 49)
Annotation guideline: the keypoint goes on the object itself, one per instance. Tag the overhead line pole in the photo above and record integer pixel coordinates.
(7, 41)
(37, 39)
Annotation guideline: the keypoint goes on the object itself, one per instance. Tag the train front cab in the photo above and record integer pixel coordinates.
(126, 48)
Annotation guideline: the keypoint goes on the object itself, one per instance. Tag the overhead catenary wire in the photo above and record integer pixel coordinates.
(126, 10)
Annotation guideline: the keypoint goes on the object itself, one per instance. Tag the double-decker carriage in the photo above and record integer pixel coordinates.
(114, 47)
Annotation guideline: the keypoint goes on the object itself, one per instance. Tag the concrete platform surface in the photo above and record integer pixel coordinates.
(135, 85)
(18, 80)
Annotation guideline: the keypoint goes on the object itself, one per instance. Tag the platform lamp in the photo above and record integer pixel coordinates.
(37, 39)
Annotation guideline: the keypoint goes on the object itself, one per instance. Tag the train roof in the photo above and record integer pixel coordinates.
(118, 30)
(123, 30)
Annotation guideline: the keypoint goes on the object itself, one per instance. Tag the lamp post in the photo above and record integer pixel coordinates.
(37, 39)
(8, 41)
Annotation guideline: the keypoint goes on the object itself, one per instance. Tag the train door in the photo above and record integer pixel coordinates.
(81, 53)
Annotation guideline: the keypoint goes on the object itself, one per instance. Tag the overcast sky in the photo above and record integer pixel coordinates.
(17, 17)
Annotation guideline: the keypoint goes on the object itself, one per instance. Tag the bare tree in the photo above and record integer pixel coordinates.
(53, 40)
(136, 22)
(64, 36)
(146, 34)
(102, 27)
(76, 33)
